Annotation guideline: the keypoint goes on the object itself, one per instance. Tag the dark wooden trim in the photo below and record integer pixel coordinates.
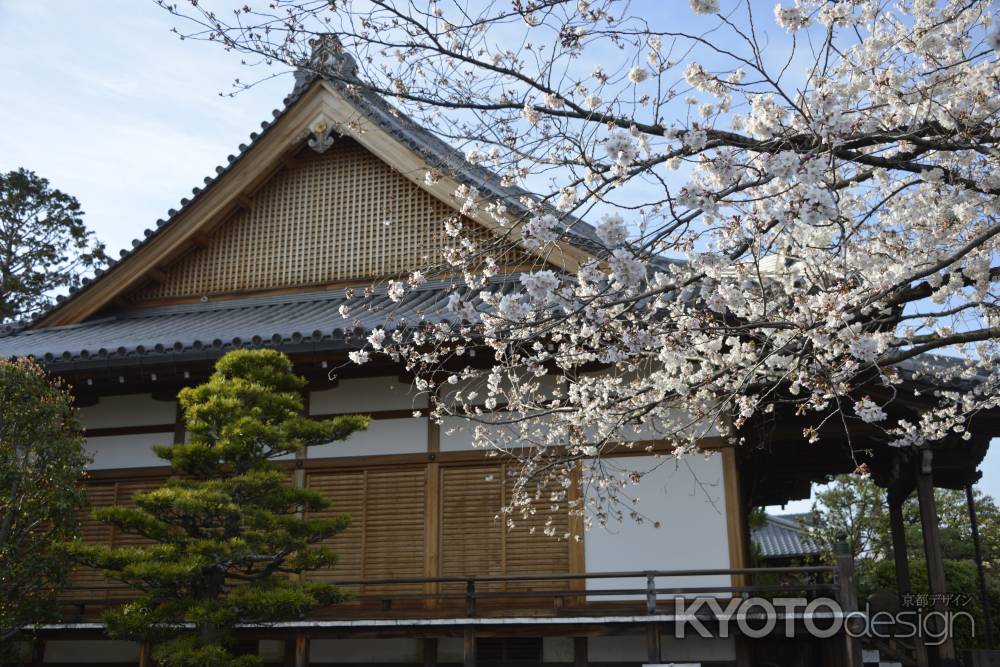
(733, 498)
(469, 647)
(375, 414)
(580, 651)
(430, 650)
(110, 431)
(468, 457)
(932, 546)
(899, 550)
(179, 431)
(127, 474)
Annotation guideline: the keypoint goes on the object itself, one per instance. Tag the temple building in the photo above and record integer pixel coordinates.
(263, 254)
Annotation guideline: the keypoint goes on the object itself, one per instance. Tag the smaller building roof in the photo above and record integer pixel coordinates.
(783, 536)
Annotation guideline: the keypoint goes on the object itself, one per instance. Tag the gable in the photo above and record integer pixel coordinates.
(260, 224)
(333, 218)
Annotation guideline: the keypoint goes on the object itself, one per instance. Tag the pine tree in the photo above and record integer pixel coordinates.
(228, 529)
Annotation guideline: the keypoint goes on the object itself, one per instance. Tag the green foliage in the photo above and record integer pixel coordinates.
(229, 530)
(856, 507)
(41, 461)
(44, 245)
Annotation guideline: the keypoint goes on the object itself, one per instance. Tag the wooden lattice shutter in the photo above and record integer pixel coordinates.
(386, 536)
(471, 537)
(86, 582)
(475, 542)
(346, 493)
(394, 526)
(125, 497)
(529, 550)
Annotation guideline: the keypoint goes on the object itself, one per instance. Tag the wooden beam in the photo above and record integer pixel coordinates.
(145, 659)
(984, 600)
(245, 202)
(179, 425)
(847, 597)
(469, 647)
(932, 548)
(898, 531)
(200, 239)
(902, 559)
(430, 646)
(738, 541)
(301, 650)
(580, 652)
(156, 274)
(432, 531)
(289, 160)
(653, 644)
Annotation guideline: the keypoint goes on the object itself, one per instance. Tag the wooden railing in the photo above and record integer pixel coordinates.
(649, 590)
(470, 601)
(468, 596)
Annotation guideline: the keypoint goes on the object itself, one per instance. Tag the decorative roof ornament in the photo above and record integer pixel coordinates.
(321, 136)
(328, 60)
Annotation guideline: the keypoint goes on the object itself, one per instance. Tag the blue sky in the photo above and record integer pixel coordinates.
(103, 100)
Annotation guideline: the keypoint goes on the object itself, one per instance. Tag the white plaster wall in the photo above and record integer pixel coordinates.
(384, 436)
(366, 394)
(456, 434)
(90, 651)
(687, 497)
(386, 650)
(126, 451)
(128, 410)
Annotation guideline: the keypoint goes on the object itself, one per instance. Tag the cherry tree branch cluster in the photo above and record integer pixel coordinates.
(790, 209)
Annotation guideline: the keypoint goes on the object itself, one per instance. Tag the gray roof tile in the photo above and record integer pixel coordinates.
(206, 330)
(783, 536)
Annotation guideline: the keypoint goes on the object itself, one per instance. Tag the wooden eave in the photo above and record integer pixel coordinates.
(188, 229)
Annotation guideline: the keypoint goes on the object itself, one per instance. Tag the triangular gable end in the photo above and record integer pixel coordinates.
(328, 219)
(270, 198)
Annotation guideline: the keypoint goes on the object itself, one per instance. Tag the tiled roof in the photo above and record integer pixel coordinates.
(296, 322)
(782, 536)
(439, 155)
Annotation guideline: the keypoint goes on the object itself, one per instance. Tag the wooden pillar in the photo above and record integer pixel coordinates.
(37, 651)
(984, 599)
(580, 657)
(430, 646)
(301, 649)
(899, 555)
(901, 559)
(744, 651)
(432, 514)
(932, 548)
(469, 647)
(653, 643)
(847, 597)
(145, 659)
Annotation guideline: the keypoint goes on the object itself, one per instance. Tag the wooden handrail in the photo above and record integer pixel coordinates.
(649, 590)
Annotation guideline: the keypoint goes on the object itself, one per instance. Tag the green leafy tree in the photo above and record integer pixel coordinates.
(44, 244)
(41, 461)
(228, 529)
(855, 506)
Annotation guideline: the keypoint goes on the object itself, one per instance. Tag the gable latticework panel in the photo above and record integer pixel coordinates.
(338, 217)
